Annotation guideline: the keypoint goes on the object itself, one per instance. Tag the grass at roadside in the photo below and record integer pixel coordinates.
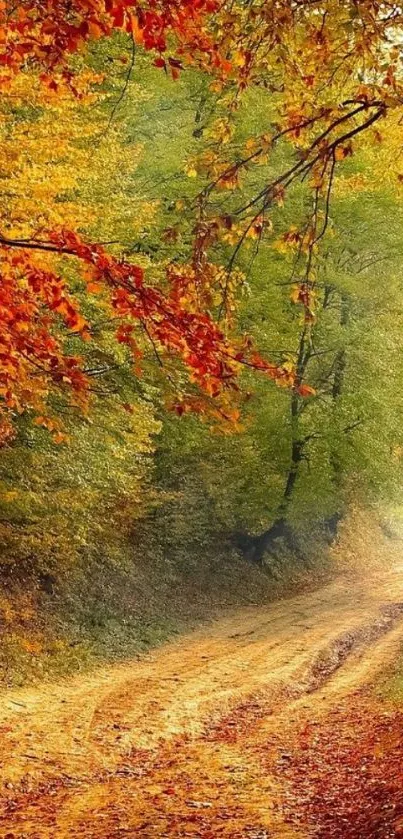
(390, 686)
(110, 613)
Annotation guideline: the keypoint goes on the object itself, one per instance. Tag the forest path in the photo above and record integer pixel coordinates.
(207, 736)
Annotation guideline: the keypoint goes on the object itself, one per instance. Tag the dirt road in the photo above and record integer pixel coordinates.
(232, 731)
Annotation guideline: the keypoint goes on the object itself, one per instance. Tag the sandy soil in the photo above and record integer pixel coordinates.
(209, 735)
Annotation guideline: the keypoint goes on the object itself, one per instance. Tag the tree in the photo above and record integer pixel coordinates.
(348, 432)
(333, 73)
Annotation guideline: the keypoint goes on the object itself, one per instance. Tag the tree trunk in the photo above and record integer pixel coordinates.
(264, 543)
(331, 524)
(256, 546)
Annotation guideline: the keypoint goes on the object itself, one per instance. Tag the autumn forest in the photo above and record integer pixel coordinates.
(201, 419)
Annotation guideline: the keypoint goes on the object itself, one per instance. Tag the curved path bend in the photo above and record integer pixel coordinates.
(196, 739)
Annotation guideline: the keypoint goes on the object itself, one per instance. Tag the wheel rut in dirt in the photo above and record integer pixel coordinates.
(359, 639)
(328, 661)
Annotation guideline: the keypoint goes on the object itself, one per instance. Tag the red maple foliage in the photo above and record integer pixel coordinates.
(47, 32)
